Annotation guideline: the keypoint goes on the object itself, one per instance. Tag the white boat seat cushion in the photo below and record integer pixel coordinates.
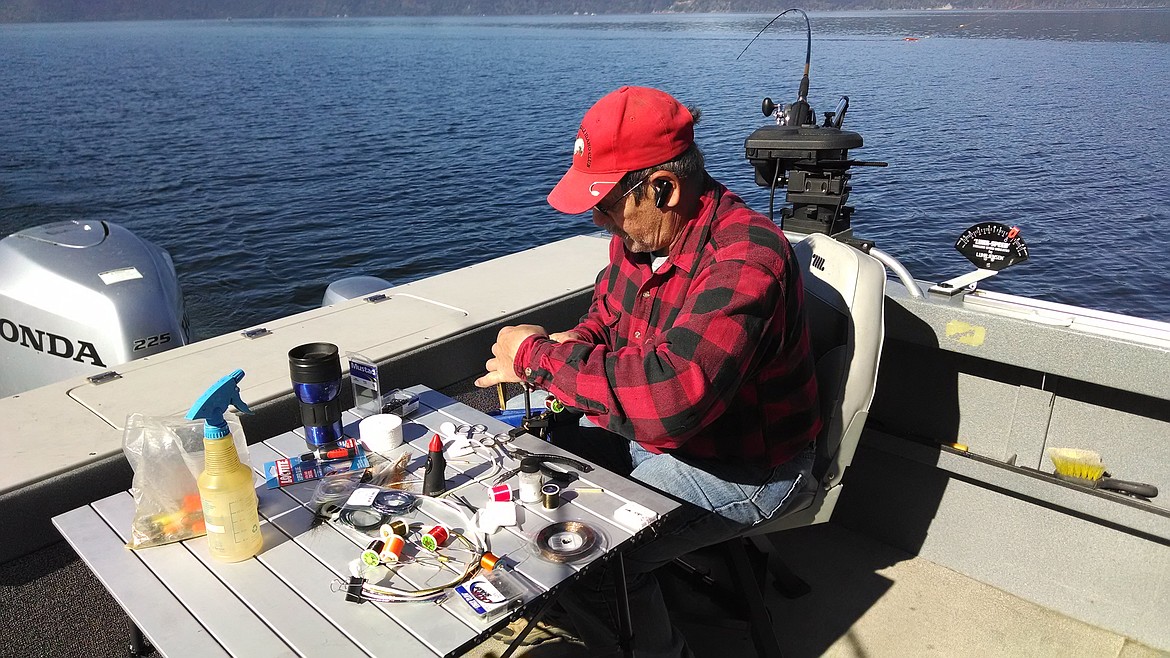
(844, 302)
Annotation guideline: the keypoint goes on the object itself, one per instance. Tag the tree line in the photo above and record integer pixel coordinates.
(101, 10)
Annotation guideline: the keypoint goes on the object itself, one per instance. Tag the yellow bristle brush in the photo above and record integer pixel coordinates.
(1084, 467)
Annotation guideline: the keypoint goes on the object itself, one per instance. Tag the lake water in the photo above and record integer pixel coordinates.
(272, 157)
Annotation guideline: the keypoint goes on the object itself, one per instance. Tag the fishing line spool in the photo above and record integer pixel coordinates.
(363, 518)
(397, 527)
(332, 492)
(488, 561)
(567, 541)
(371, 556)
(393, 502)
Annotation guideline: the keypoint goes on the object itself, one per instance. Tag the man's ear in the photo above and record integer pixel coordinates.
(665, 190)
(662, 189)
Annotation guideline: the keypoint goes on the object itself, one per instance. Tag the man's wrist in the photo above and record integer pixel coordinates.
(521, 365)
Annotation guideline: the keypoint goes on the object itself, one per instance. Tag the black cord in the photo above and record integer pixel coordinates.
(836, 215)
(772, 199)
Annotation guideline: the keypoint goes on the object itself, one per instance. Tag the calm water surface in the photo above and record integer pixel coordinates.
(272, 157)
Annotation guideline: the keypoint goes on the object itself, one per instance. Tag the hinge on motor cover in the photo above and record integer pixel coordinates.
(103, 377)
(255, 333)
(377, 297)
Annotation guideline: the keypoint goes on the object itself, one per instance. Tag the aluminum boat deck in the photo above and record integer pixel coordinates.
(931, 551)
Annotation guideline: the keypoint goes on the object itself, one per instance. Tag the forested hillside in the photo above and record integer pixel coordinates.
(87, 10)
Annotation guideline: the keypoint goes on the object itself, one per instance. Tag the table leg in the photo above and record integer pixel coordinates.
(531, 624)
(139, 646)
(625, 632)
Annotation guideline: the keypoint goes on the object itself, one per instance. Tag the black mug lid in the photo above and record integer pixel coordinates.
(313, 363)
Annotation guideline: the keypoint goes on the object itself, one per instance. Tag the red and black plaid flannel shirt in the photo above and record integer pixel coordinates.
(707, 357)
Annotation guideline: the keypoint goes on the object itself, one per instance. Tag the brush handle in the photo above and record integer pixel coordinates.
(1125, 486)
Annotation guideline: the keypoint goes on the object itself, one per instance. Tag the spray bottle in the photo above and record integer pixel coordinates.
(225, 486)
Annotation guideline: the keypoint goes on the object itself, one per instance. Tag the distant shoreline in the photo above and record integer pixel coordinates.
(54, 11)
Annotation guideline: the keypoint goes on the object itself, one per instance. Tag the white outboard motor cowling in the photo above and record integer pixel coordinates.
(79, 297)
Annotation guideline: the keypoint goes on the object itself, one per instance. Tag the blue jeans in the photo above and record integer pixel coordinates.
(719, 502)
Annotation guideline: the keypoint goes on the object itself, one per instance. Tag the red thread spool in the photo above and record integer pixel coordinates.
(393, 549)
(434, 538)
(502, 493)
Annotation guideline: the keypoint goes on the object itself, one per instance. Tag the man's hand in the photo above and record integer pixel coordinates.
(501, 367)
(564, 336)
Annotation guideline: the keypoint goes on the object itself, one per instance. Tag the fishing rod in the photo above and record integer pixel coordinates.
(799, 112)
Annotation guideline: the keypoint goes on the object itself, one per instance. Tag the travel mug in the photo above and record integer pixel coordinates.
(316, 378)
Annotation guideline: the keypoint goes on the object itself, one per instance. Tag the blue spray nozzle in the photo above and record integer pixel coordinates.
(213, 404)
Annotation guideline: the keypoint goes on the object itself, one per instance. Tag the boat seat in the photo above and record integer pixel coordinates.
(844, 302)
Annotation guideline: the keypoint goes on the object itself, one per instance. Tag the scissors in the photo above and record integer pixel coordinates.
(473, 436)
(471, 430)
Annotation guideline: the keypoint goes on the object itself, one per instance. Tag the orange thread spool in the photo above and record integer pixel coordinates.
(489, 561)
(393, 549)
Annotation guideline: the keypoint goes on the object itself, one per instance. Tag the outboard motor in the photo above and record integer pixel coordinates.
(78, 297)
(811, 160)
(352, 287)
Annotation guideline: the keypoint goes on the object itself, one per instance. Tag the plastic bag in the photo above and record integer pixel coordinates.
(166, 454)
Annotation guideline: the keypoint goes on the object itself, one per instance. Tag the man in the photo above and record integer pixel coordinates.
(693, 360)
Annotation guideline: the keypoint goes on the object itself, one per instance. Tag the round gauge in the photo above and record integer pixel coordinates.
(992, 246)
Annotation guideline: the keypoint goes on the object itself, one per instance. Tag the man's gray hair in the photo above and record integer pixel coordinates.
(686, 165)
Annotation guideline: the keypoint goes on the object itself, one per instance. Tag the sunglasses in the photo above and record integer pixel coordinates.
(608, 210)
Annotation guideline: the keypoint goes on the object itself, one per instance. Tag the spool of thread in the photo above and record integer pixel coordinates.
(393, 549)
(372, 555)
(393, 528)
(434, 538)
(489, 561)
(552, 495)
(502, 493)
(381, 432)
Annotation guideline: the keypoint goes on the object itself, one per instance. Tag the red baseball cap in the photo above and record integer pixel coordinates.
(628, 129)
